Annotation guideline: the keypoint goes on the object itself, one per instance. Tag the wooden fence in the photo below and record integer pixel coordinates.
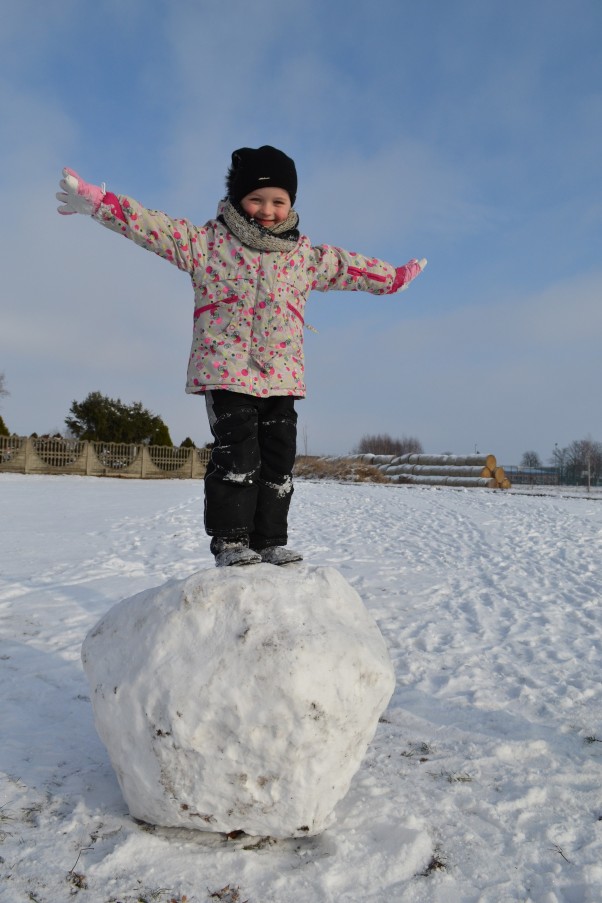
(156, 462)
(20, 454)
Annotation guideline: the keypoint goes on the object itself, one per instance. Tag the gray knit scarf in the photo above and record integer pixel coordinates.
(283, 237)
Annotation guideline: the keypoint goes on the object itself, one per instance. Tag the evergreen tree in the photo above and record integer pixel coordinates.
(102, 419)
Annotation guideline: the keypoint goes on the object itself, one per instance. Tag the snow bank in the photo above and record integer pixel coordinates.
(239, 699)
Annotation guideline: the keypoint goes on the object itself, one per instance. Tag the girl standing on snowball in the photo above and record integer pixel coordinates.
(252, 272)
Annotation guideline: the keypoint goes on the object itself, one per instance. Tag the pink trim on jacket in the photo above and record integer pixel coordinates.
(357, 272)
(111, 201)
(214, 305)
(294, 311)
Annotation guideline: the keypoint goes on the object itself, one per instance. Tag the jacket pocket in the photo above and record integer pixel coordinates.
(224, 308)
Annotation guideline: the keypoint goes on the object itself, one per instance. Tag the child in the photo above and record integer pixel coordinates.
(252, 272)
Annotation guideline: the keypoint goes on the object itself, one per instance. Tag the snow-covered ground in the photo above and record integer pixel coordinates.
(491, 747)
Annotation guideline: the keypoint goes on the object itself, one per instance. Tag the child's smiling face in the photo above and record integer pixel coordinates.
(268, 206)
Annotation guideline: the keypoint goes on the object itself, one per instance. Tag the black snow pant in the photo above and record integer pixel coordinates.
(248, 483)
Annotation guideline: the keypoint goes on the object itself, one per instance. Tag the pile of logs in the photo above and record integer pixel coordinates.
(441, 470)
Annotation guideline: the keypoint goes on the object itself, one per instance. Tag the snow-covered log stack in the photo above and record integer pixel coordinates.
(441, 470)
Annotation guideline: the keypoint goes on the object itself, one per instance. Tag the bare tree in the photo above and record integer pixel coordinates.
(530, 459)
(580, 461)
(383, 444)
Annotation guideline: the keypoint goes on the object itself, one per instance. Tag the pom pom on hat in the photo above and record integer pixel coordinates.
(263, 167)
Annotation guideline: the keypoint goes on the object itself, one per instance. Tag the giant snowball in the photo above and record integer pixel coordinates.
(239, 698)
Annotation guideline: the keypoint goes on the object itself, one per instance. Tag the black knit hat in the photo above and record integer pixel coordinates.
(264, 167)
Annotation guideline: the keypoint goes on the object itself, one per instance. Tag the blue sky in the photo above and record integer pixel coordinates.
(469, 132)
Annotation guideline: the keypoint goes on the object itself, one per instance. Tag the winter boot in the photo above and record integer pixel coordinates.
(279, 555)
(233, 553)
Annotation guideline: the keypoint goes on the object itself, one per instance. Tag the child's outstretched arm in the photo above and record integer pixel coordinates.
(335, 268)
(152, 230)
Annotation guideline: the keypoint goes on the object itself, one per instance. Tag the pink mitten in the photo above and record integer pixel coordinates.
(406, 273)
(78, 196)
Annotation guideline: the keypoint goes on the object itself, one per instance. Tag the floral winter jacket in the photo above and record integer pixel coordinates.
(249, 305)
